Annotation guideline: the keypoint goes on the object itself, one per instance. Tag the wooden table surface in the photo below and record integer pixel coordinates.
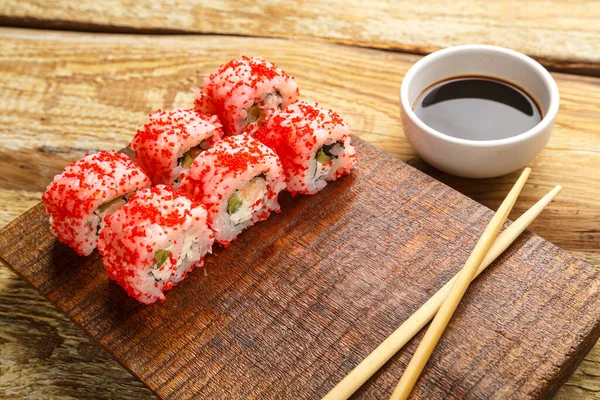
(63, 94)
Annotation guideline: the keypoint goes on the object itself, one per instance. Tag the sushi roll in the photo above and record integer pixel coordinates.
(88, 190)
(313, 144)
(203, 103)
(168, 143)
(245, 92)
(151, 243)
(238, 180)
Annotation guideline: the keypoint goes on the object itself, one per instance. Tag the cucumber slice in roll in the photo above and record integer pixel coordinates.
(234, 203)
(160, 256)
(324, 154)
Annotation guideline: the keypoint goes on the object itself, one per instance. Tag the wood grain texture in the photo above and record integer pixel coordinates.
(296, 301)
(66, 94)
(44, 355)
(562, 35)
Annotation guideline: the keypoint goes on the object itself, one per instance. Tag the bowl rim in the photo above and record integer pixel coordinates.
(484, 48)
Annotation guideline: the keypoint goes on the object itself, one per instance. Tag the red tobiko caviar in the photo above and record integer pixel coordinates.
(313, 144)
(87, 190)
(204, 103)
(166, 145)
(150, 238)
(153, 241)
(238, 180)
(245, 92)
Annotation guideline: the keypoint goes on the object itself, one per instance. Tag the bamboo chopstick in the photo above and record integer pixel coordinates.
(390, 346)
(441, 319)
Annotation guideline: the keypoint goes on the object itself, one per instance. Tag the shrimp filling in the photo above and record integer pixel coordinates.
(243, 202)
(261, 110)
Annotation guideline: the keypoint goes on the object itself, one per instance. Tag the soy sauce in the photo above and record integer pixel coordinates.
(477, 108)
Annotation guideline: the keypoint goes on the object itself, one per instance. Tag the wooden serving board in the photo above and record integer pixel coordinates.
(297, 301)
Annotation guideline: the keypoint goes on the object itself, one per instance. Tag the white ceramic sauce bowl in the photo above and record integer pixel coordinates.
(478, 158)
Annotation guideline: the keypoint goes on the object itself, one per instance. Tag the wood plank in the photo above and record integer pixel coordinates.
(44, 355)
(561, 34)
(296, 301)
(65, 94)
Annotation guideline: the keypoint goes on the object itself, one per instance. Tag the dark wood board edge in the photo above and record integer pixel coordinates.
(572, 362)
